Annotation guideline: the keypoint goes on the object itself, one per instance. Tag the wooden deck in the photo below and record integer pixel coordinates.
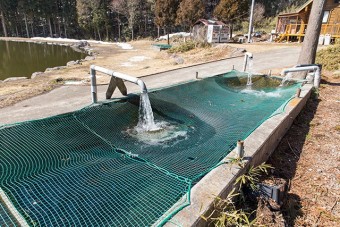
(297, 31)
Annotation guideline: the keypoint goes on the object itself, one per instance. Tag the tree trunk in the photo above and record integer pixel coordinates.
(310, 43)
(32, 28)
(26, 25)
(100, 38)
(3, 23)
(50, 27)
(65, 30)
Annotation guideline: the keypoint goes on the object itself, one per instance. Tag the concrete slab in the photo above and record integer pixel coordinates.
(69, 98)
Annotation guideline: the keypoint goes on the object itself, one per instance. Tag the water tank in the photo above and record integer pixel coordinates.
(327, 39)
(321, 39)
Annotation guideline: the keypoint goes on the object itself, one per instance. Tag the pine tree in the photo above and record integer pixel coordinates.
(230, 11)
(189, 12)
(166, 13)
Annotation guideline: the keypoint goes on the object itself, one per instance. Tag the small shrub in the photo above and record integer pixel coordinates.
(329, 58)
(187, 46)
(184, 47)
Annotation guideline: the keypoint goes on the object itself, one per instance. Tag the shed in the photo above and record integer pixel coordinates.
(211, 31)
(292, 26)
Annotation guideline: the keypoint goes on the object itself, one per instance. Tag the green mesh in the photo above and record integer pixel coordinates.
(83, 168)
(5, 217)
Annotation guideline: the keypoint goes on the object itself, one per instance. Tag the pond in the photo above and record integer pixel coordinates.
(21, 59)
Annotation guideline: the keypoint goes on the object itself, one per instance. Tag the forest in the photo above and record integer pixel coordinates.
(126, 19)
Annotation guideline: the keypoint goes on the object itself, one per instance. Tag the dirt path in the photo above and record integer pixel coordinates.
(309, 156)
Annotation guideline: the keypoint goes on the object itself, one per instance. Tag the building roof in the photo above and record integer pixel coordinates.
(298, 10)
(209, 22)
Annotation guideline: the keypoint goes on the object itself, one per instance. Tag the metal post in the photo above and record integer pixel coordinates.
(93, 85)
(251, 20)
(240, 149)
(298, 92)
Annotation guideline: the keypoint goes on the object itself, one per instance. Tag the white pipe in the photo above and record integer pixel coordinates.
(247, 56)
(317, 76)
(122, 76)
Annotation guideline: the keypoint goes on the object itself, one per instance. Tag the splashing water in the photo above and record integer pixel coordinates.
(155, 133)
(146, 120)
(250, 72)
(286, 78)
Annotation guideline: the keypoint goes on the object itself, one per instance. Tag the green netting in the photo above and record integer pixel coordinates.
(84, 168)
(5, 217)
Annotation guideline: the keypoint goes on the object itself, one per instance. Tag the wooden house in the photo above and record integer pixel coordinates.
(211, 31)
(292, 26)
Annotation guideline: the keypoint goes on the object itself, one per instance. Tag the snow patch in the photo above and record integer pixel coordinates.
(124, 46)
(165, 37)
(138, 58)
(127, 64)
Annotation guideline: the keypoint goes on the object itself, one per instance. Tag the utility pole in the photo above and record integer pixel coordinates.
(251, 20)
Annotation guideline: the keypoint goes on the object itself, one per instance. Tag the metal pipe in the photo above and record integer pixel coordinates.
(122, 76)
(317, 76)
(93, 85)
(240, 148)
(247, 56)
(251, 20)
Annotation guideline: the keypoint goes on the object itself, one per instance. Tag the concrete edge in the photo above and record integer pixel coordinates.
(220, 181)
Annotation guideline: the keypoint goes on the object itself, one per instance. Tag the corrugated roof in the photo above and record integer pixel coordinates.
(209, 22)
(299, 9)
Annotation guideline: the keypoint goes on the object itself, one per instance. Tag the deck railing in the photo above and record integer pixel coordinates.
(300, 29)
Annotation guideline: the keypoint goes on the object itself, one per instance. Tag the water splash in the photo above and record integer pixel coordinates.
(155, 133)
(146, 120)
(164, 133)
(286, 78)
(250, 72)
(274, 94)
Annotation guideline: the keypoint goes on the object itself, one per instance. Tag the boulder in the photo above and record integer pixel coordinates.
(89, 58)
(82, 44)
(15, 79)
(70, 63)
(36, 74)
(179, 60)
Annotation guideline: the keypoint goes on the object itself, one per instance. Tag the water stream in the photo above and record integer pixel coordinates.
(153, 132)
(146, 121)
(250, 72)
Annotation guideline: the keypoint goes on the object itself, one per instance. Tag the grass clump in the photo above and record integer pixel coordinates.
(187, 46)
(330, 57)
(232, 210)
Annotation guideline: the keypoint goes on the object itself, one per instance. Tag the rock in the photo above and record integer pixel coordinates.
(15, 79)
(82, 44)
(36, 74)
(48, 69)
(179, 60)
(89, 58)
(70, 63)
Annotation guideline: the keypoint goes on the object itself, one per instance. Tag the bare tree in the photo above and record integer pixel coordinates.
(259, 11)
(128, 9)
(310, 43)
